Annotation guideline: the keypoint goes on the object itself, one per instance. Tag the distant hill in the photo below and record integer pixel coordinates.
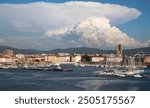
(145, 50)
(22, 51)
(79, 50)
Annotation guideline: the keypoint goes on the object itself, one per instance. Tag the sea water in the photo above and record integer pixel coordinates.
(81, 79)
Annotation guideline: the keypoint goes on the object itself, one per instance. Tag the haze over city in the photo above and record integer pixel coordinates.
(51, 24)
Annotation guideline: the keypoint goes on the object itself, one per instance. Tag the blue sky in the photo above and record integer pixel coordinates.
(137, 28)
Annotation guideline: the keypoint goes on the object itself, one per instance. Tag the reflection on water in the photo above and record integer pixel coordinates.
(81, 78)
(109, 85)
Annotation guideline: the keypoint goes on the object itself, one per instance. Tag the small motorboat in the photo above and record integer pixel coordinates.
(137, 76)
(59, 69)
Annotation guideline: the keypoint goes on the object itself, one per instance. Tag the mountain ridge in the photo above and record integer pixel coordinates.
(78, 50)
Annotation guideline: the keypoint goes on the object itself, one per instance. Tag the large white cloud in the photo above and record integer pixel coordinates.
(147, 43)
(42, 15)
(56, 19)
(96, 32)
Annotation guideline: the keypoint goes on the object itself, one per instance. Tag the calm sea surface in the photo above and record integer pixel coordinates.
(81, 78)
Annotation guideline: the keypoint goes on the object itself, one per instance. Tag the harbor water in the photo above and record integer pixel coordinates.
(80, 79)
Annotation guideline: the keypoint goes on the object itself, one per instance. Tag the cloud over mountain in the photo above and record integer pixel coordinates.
(35, 20)
(96, 32)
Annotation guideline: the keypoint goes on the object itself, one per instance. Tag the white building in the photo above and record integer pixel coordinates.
(76, 58)
(113, 58)
(2, 60)
(20, 56)
(97, 59)
(7, 60)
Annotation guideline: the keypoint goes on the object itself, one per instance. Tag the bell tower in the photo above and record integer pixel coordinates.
(118, 50)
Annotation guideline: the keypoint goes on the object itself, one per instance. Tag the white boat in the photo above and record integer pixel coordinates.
(137, 76)
(144, 66)
(4, 67)
(132, 72)
(82, 65)
(121, 75)
(111, 72)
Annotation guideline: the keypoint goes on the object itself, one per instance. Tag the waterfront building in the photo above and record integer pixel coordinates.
(57, 58)
(97, 58)
(7, 61)
(76, 58)
(2, 60)
(20, 56)
(147, 60)
(8, 52)
(50, 58)
(112, 59)
(62, 58)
